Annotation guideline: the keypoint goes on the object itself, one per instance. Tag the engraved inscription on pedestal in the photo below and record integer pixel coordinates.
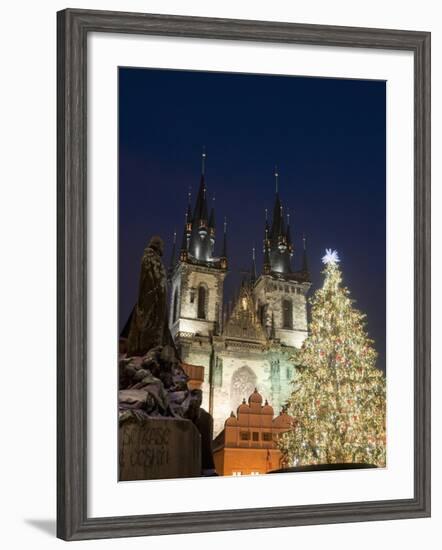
(159, 448)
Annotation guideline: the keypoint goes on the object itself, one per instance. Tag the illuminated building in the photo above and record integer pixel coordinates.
(251, 346)
(246, 445)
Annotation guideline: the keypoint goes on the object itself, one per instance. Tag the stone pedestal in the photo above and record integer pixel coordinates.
(159, 448)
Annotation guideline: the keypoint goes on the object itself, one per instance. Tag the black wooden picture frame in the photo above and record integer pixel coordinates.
(73, 27)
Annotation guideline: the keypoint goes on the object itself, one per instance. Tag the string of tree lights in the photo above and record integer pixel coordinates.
(338, 401)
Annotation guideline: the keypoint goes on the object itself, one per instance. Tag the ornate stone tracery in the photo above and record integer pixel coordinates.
(243, 383)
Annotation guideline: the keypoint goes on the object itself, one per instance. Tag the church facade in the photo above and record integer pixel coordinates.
(253, 344)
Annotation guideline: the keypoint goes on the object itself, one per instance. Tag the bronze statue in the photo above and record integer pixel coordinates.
(149, 321)
(152, 382)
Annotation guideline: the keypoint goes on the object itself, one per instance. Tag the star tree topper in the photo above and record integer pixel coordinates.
(331, 257)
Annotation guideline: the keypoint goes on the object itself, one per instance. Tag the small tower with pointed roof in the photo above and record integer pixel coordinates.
(197, 275)
(280, 290)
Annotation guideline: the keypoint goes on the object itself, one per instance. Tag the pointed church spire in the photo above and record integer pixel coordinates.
(276, 220)
(212, 225)
(282, 236)
(304, 255)
(200, 212)
(203, 161)
(212, 215)
(266, 247)
(189, 208)
(281, 222)
(288, 236)
(224, 251)
(200, 247)
(204, 210)
(253, 270)
(267, 268)
(266, 229)
(184, 241)
(277, 252)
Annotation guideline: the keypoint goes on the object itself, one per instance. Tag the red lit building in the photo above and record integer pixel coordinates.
(246, 445)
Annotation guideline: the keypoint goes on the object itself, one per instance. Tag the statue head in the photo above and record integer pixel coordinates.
(197, 396)
(157, 244)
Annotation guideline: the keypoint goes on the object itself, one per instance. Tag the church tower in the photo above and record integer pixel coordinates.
(196, 281)
(280, 292)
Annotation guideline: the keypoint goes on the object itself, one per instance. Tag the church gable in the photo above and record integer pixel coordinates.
(243, 322)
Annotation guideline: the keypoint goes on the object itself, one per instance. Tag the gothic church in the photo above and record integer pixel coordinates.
(250, 346)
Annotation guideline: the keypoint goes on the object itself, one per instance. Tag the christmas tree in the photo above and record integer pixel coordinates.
(338, 402)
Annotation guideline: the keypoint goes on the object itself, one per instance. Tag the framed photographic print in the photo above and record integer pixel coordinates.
(243, 274)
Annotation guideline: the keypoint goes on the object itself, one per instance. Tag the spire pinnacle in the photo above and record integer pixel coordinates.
(203, 161)
(224, 250)
(281, 228)
(183, 251)
(276, 173)
(253, 270)
(212, 219)
(288, 236)
(304, 255)
(189, 208)
(266, 266)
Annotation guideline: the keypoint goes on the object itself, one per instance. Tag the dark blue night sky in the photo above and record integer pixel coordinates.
(327, 137)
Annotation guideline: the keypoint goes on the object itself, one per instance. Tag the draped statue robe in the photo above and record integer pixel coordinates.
(149, 320)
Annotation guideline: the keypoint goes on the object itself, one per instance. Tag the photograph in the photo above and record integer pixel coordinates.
(251, 274)
(225, 218)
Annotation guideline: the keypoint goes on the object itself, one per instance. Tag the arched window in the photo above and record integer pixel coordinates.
(242, 384)
(202, 302)
(287, 314)
(175, 306)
